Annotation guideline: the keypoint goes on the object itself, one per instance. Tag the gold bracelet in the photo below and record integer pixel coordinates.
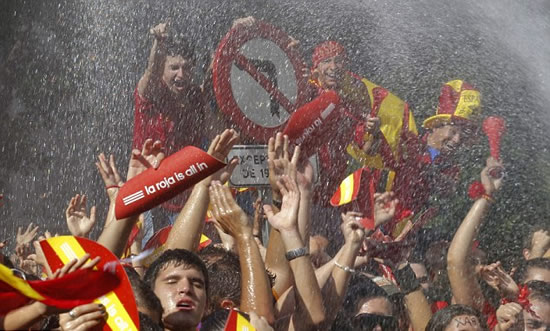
(488, 198)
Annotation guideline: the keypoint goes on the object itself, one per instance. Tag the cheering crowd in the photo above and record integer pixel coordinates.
(383, 275)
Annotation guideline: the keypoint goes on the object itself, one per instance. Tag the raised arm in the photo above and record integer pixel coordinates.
(310, 309)
(255, 287)
(464, 283)
(149, 82)
(279, 163)
(188, 227)
(116, 232)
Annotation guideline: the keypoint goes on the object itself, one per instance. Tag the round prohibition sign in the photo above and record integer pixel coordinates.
(258, 79)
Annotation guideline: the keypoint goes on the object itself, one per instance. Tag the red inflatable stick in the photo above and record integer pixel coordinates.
(175, 174)
(494, 127)
(309, 125)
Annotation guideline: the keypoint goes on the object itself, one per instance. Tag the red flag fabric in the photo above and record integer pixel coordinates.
(66, 292)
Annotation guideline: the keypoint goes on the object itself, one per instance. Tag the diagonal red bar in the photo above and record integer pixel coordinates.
(242, 63)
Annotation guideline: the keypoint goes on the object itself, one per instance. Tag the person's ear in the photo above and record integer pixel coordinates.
(227, 304)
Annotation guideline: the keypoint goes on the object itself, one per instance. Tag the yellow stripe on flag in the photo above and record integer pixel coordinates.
(7, 276)
(346, 189)
(243, 324)
(67, 249)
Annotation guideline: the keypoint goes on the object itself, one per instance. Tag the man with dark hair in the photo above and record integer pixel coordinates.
(531, 311)
(455, 318)
(534, 269)
(225, 278)
(180, 280)
(367, 306)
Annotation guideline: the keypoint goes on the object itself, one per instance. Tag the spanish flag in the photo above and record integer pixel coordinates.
(66, 292)
(237, 322)
(348, 189)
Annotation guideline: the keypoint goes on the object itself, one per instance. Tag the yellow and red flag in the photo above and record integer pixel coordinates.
(237, 322)
(348, 189)
(120, 303)
(65, 292)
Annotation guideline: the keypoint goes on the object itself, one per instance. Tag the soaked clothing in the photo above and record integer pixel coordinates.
(175, 125)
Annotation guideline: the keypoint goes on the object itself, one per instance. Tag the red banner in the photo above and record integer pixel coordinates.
(175, 174)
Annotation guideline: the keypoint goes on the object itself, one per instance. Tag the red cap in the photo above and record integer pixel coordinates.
(326, 50)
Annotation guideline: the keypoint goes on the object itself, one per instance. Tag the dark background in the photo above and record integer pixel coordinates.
(68, 70)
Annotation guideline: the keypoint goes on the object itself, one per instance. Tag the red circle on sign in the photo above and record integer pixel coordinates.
(228, 53)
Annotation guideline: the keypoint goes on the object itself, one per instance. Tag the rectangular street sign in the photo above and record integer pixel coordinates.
(253, 169)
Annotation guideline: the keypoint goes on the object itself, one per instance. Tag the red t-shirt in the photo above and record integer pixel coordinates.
(175, 125)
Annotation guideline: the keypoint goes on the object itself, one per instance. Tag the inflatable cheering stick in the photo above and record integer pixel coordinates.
(175, 174)
(494, 127)
(310, 125)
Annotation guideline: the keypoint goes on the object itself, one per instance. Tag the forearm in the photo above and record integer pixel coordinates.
(276, 262)
(153, 72)
(304, 214)
(115, 236)
(24, 317)
(187, 228)
(335, 289)
(308, 294)
(464, 284)
(418, 309)
(256, 293)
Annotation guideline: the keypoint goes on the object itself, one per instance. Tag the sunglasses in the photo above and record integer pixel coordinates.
(19, 274)
(366, 322)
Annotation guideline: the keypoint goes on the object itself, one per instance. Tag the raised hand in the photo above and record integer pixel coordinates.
(219, 149)
(540, 243)
(150, 156)
(304, 177)
(79, 222)
(244, 21)
(76, 264)
(159, 31)
(508, 315)
(495, 276)
(372, 125)
(352, 230)
(109, 174)
(232, 219)
(286, 219)
(83, 317)
(384, 207)
(490, 184)
(24, 239)
(279, 161)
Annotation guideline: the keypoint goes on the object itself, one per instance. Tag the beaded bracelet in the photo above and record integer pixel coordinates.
(345, 268)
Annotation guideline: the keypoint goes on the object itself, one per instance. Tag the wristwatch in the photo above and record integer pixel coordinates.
(296, 253)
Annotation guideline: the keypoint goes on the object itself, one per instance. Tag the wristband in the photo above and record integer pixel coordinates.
(296, 253)
(345, 268)
(111, 186)
(407, 279)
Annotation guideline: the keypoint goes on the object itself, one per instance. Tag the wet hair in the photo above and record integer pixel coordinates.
(215, 321)
(539, 290)
(179, 45)
(441, 319)
(360, 289)
(225, 276)
(145, 297)
(146, 323)
(523, 270)
(528, 240)
(176, 258)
